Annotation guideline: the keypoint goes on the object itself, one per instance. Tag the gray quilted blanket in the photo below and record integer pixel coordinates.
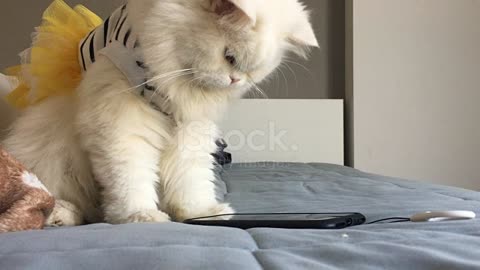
(277, 188)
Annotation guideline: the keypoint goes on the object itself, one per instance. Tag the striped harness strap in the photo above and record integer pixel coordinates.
(117, 40)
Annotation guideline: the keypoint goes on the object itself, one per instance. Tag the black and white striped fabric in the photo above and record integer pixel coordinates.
(115, 29)
(116, 40)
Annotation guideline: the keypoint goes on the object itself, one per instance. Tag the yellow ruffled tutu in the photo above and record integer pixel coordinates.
(51, 66)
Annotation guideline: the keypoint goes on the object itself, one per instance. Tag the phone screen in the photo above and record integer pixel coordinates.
(284, 217)
(285, 220)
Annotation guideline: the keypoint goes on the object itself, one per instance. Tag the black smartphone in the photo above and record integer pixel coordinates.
(285, 220)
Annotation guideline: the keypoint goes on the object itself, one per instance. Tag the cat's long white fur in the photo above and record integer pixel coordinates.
(105, 146)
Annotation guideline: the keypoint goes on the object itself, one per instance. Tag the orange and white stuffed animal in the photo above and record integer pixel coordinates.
(25, 203)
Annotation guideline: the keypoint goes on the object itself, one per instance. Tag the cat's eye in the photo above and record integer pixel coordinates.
(230, 58)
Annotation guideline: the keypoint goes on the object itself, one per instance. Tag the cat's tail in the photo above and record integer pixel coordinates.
(50, 66)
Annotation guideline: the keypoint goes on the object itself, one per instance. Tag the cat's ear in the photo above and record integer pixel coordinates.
(302, 37)
(242, 8)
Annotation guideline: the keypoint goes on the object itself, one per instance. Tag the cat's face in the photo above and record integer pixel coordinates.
(223, 44)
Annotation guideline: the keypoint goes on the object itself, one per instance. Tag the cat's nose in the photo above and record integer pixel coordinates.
(234, 80)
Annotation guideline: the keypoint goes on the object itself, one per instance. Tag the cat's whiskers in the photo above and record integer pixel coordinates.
(173, 77)
(197, 81)
(257, 88)
(279, 68)
(287, 60)
(293, 73)
(276, 80)
(169, 74)
(158, 77)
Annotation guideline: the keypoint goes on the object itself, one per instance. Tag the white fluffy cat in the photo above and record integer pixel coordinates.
(108, 155)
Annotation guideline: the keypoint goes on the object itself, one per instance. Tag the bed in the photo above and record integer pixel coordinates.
(276, 187)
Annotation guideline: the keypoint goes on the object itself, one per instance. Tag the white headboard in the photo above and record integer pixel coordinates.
(285, 131)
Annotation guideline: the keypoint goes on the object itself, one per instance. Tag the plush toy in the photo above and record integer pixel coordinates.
(25, 203)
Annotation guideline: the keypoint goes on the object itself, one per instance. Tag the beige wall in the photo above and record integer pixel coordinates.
(18, 17)
(416, 89)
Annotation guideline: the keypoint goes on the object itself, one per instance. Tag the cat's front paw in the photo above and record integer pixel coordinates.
(64, 214)
(148, 216)
(219, 211)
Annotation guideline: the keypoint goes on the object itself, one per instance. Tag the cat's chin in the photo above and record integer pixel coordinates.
(228, 91)
(213, 87)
